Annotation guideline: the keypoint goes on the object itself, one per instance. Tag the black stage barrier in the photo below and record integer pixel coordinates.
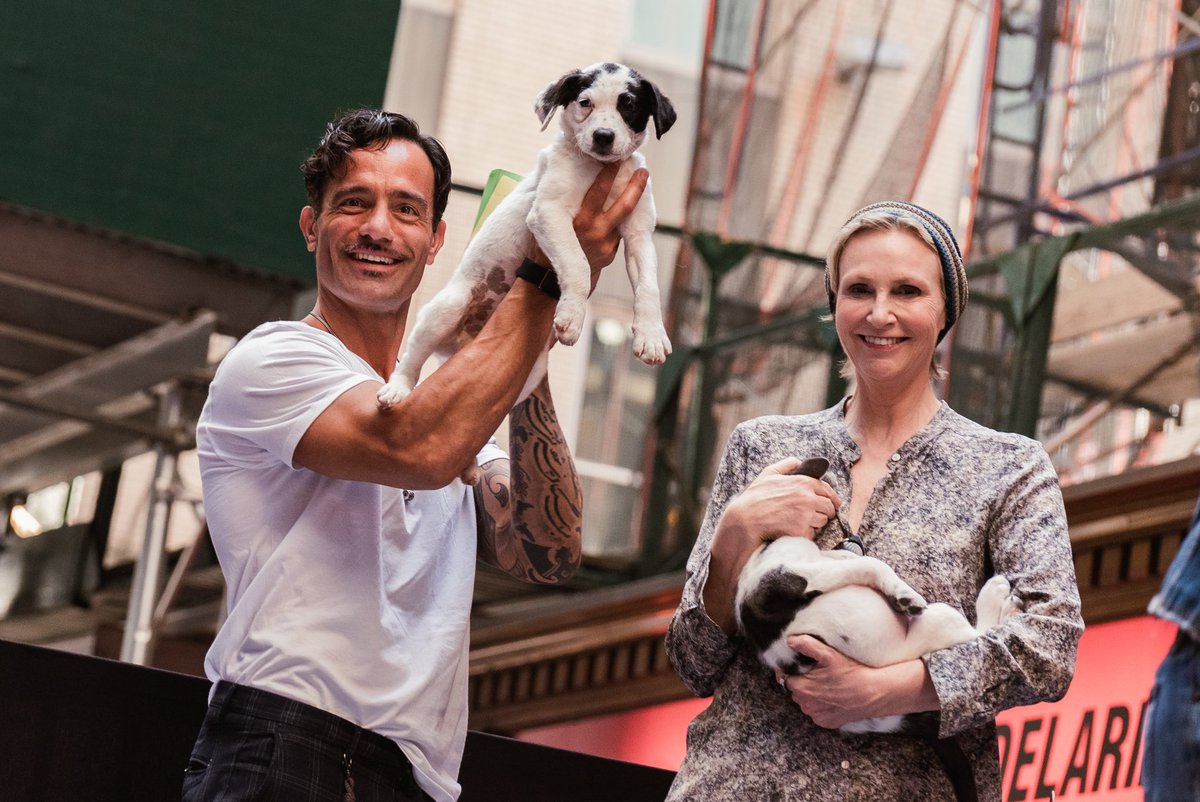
(74, 727)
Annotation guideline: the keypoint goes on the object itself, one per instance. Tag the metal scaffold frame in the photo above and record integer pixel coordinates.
(1015, 242)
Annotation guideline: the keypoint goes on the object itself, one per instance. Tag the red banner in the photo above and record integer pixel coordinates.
(1087, 746)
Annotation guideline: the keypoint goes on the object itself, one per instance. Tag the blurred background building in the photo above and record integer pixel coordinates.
(148, 203)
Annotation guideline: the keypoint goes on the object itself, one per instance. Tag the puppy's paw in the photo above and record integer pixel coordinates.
(394, 391)
(840, 554)
(1011, 606)
(651, 344)
(568, 322)
(996, 602)
(994, 590)
(908, 602)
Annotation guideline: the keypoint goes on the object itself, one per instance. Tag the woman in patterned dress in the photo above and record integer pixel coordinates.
(944, 501)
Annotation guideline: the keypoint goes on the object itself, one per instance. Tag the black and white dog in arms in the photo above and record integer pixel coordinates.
(606, 110)
(855, 604)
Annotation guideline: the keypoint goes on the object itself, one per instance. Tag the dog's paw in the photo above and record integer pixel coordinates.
(841, 554)
(568, 322)
(651, 345)
(996, 602)
(1011, 605)
(995, 590)
(394, 391)
(908, 602)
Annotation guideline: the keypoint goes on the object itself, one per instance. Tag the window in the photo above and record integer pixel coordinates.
(617, 403)
(668, 29)
(55, 506)
(732, 34)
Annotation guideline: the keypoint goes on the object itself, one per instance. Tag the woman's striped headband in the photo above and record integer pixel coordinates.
(954, 274)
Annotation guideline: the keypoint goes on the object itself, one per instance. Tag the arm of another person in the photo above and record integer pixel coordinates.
(425, 440)
(701, 638)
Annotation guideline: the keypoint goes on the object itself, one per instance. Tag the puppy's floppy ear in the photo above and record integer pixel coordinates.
(558, 93)
(660, 108)
(772, 604)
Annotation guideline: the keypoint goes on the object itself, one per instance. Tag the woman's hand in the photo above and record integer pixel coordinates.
(836, 691)
(839, 690)
(777, 503)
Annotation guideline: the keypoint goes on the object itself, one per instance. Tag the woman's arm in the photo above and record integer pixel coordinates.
(701, 640)
(1030, 657)
(838, 690)
(698, 648)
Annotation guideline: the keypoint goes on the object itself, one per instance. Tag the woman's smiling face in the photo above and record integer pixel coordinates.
(890, 305)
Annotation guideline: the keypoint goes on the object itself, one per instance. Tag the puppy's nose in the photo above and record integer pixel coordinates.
(603, 138)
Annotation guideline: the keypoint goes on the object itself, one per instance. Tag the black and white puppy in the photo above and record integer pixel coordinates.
(606, 109)
(855, 604)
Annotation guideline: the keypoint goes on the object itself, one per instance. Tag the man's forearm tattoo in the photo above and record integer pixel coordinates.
(543, 541)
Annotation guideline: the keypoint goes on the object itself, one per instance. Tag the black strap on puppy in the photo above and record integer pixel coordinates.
(957, 766)
(853, 543)
(541, 277)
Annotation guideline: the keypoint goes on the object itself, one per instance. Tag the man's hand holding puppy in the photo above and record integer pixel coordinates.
(596, 227)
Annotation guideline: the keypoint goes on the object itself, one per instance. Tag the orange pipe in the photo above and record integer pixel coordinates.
(981, 129)
(772, 289)
(791, 194)
(743, 123)
(939, 107)
(683, 259)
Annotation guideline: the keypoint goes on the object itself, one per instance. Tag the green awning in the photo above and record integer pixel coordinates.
(183, 122)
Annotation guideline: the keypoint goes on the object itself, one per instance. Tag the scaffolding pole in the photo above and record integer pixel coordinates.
(147, 574)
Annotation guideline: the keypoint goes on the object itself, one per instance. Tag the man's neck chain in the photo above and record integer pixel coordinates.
(324, 323)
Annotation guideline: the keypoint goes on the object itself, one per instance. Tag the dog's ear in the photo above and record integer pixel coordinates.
(660, 108)
(772, 604)
(558, 93)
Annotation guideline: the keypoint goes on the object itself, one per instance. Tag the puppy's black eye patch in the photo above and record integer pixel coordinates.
(772, 604)
(635, 106)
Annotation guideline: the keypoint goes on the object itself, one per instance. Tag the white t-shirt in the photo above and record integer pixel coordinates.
(348, 596)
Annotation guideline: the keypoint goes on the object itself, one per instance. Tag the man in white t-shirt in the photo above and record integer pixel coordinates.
(347, 541)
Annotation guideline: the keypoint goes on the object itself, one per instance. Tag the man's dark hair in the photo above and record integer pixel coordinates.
(371, 129)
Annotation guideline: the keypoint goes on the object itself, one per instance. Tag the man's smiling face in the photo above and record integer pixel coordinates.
(375, 234)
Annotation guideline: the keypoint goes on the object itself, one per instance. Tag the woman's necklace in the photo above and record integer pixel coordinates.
(324, 323)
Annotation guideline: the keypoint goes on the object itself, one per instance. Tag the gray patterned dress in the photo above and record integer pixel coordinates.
(960, 502)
